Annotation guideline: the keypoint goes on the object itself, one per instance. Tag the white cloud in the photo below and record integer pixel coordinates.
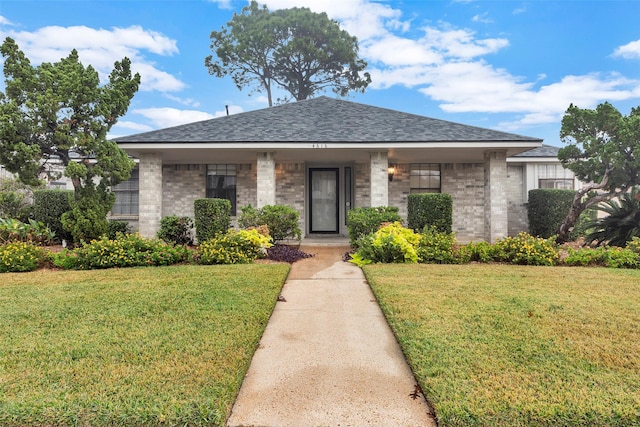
(153, 79)
(630, 50)
(5, 21)
(101, 48)
(483, 18)
(393, 50)
(167, 117)
(137, 127)
(190, 102)
(519, 10)
(222, 4)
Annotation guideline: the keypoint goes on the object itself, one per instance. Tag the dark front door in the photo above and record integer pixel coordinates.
(323, 200)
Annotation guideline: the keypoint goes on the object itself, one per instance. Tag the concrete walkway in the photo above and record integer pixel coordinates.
(328, 357)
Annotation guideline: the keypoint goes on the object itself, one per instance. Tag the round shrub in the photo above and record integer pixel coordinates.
(234, 247)
(363, 221)
(436, 247)
(176, 229)
(282, 221)
(476, 252)
(130, 250)
(392, 243)
(525, 249)
(116, 227)
(20, 256)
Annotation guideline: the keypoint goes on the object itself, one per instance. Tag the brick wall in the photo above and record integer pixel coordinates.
(379, 181)
(495, 190)
(362, 185)
(290, 190)
(399, 189)
(517, 211)
(182, 185)
(246, 186)
(150, 201)
(465, 183)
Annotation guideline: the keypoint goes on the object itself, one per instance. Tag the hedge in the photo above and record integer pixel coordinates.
(212, 217)
(364, 221)
(430, 210)
(48, 207)
(547, 209)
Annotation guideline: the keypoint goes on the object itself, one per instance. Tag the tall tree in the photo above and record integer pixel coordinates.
(59, 113)
(603, 150)
(295, 49)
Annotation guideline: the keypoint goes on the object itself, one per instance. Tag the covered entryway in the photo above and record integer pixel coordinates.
(330, 196)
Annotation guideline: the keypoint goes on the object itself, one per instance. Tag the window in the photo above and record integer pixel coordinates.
(424, 177)
(221, 183)
(555, 176)
(127, 195)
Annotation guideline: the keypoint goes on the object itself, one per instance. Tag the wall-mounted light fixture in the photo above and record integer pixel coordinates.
(391, 170)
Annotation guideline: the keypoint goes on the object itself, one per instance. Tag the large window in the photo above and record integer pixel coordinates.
(127, 195)
(555, 176)
(424, 177)
(221, 183)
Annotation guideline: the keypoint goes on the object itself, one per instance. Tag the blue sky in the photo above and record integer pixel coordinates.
(508, 65)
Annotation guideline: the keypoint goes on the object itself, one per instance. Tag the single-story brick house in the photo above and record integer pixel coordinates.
(325, 156)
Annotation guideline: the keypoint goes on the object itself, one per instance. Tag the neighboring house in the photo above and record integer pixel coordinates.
(533, 169)
(61, 183)
(325, 156)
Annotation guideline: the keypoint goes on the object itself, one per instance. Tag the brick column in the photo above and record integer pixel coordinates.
(379, 178)
(266, 176)
(495, 196)
(150, 194)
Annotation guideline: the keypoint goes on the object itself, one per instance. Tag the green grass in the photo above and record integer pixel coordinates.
(495, 345)
(136, 346)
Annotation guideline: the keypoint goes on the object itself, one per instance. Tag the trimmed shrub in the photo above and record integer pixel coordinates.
(48, 207)
(20, 256)
(547, 209)
(116, 227)
(430, 210)
(603, 256)
(436, 247)
(212, 217)
(283, 221)
(392, 243)
(176, 229)
(87, 218)
(130, 250)
(234, 247)
(476, 252)
(364, 221)
(525, 249)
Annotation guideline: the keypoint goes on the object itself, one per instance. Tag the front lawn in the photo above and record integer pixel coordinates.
(135, 346)
(496, 345)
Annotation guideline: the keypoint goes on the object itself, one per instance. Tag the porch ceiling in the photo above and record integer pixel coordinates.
(438, 154)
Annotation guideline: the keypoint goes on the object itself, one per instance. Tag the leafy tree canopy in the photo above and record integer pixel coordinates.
(603, 150)
(59, 113)
(295, 49)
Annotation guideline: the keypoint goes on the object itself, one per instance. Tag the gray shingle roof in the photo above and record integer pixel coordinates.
(543, 151)
(324, 119)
